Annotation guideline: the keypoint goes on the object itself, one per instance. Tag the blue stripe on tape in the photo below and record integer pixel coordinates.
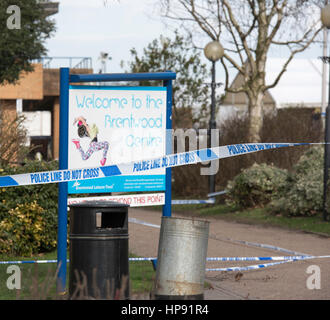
(8, 181)
(301, 144)
(110, 171)
(206, 155)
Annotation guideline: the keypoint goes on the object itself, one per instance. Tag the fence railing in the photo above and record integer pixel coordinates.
(70, 62)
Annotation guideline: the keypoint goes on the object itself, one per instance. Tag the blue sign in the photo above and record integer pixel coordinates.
(113, 125)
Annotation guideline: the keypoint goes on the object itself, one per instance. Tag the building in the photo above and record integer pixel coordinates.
(36, 96)
(299, 86)
(240, 100)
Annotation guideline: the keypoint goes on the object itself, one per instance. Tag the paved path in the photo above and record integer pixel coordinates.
(228, 239)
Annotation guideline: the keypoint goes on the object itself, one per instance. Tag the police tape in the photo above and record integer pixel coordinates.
(248, 268)
(144, 223)
(154, 260)
(226, 259)
(212, 259)
(55, 261)
(28, 261)
(268, 246)
(129, 168)
(279, 258)
(188, 201)
(219, 193)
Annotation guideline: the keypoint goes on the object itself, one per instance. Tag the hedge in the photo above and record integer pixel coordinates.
(28, 214)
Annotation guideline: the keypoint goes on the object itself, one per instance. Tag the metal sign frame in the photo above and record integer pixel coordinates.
(65, 80)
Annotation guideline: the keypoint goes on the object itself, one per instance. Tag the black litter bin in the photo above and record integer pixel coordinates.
(99, 251)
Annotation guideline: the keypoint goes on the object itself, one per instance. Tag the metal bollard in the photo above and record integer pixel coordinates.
(181, 261)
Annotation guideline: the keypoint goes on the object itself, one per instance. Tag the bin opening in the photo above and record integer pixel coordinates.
(108, 220)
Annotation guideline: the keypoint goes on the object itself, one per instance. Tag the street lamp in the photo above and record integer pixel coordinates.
(325, 19)
(213, 51)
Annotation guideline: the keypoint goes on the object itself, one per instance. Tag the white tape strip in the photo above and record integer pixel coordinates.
(219, 193)
(173, 160)
(137, 221)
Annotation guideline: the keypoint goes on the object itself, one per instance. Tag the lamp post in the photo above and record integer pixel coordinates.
(213, 51)
(325, 19)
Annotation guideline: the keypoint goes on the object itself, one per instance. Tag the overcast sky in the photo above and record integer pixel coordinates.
(87, 27)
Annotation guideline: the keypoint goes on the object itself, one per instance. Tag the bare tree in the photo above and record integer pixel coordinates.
(12, 138)
(247, 30)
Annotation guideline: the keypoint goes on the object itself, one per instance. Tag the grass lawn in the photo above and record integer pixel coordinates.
(257, 216)
(38, 280)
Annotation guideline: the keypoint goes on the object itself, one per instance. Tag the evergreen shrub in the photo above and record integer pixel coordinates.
(256, 186)
(28, 214)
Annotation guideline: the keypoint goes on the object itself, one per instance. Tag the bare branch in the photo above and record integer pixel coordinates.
(291, 42)
(253, 9)
(201, 21)
(293, 53)
(219, 16)
(241, 34)
(227, 87)
(235, 41)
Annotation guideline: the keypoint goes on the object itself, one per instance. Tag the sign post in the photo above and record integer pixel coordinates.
(111, 124)
(168, 187)
(62, 187)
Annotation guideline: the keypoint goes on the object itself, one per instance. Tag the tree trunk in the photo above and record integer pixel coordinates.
(255, 117)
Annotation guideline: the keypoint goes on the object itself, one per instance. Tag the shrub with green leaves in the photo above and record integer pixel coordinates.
(303, 193)
(22, 232)
(256, 186)
(43, 196)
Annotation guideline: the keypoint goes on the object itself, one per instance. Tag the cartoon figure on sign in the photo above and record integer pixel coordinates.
(84, 130)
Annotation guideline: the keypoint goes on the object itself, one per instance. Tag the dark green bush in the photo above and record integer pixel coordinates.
(295, 193)
(256, 186)
(44, 197)
(303, 193)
